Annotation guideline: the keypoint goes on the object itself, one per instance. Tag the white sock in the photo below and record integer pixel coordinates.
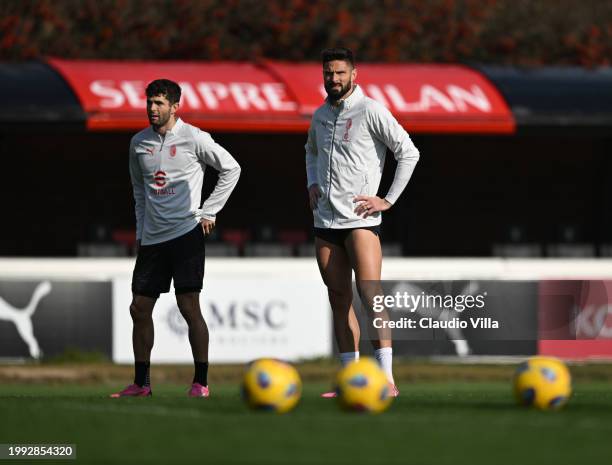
(384, 356)
(347, 357)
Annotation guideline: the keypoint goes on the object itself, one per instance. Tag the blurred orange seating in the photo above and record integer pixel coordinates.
(124, 236)
(235, 236)
(292, 236)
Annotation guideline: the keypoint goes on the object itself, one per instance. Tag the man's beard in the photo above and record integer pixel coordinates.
(160, 121)
(335, 95)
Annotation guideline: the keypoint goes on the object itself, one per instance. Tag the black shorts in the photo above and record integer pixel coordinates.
(181, 259)
(338, 236)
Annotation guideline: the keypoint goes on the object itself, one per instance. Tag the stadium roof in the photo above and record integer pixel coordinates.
(34, 93)
(555, 96)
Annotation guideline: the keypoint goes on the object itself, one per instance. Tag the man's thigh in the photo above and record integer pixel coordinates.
(365, 254)
(334, 265)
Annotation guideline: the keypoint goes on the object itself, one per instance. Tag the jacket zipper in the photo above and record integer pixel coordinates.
(161, 148)
(331, 152)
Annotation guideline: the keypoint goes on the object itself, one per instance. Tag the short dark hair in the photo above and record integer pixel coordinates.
(169, 89)
(338, 53)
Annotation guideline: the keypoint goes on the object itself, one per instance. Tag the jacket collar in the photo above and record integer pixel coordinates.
(175, 129)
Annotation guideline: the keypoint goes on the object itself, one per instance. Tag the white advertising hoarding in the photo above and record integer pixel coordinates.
(249, 318)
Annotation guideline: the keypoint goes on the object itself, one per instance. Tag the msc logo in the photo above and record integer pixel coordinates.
(160, 178)
(250, 315)
(244, 316)
(22, 318)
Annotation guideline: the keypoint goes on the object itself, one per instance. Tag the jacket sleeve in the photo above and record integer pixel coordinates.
(212, 154)
(311, 157)
(385, 128)
(138, 189)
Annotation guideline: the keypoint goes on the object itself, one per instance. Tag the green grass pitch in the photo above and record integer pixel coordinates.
(431, 423)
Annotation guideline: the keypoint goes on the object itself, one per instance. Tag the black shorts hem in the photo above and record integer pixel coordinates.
(150, 294)
(187, 290)
(338, 236)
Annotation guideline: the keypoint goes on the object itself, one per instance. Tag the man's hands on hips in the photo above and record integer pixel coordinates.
(207, 226)
(369, 205)
(314, 192)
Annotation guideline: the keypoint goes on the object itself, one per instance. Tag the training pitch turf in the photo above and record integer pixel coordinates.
(435, 422)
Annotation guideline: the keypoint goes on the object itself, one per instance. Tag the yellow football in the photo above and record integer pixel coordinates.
(362, 386)
(273, 385)
(542, 382)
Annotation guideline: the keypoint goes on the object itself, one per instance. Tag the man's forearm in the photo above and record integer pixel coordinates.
(221, 193)
(403, 173)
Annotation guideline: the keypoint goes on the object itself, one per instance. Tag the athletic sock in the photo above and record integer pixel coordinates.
(347, 357)
(141, 373)
(201, 373)
(384, 356)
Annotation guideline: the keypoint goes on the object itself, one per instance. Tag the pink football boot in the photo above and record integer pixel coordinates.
(197, 390)
(393, 390)
(133, 390)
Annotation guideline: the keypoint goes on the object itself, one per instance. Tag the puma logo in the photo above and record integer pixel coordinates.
(22, 318)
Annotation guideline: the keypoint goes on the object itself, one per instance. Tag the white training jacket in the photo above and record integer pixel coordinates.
(345, 156)
(167, 173)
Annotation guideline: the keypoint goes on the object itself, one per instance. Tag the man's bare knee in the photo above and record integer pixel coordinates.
(339, 296)
(139, 313)
(190, 312)
(368, 288)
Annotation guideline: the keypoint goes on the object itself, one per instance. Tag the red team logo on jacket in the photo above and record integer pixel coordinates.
(160, 178)
(349, 123)
(173, 150)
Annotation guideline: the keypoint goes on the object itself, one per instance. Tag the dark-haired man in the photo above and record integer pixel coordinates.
(345, 154)
(167, 163)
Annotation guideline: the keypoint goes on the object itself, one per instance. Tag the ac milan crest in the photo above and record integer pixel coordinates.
(349, 124)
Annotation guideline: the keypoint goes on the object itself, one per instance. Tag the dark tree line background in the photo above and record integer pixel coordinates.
(516, 32)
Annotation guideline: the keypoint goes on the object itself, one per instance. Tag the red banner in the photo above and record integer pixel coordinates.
(279, 97)
(575, 318)
(424, 98)
(220, 96)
